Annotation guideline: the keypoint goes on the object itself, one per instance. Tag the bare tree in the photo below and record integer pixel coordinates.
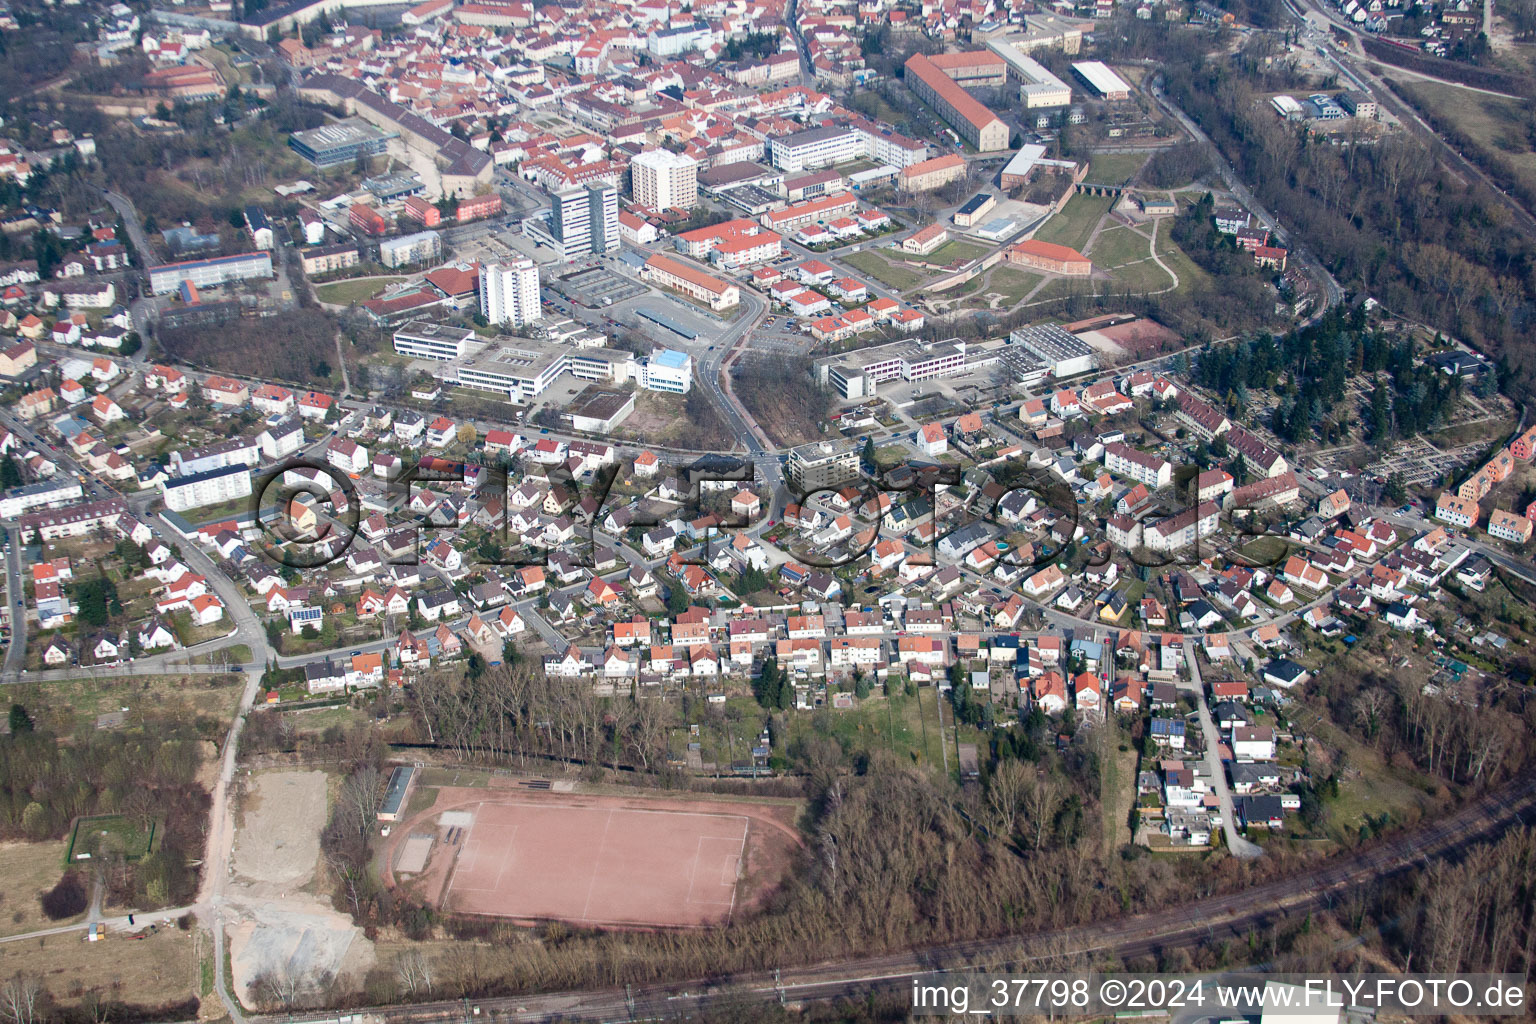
(414, 972)
(1041, 798)
(19, 1000)
(362, 791)
(1368, 707)
(1005, 790)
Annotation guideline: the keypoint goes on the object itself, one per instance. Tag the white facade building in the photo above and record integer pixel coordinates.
(509, 292)
(664, 180)
(210, 488)
(667, 370)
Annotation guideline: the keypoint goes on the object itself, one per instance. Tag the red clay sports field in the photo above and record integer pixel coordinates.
(598, 865)
(593, 860)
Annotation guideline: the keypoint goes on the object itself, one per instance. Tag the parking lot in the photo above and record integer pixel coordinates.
(597, 286)
(784, 335)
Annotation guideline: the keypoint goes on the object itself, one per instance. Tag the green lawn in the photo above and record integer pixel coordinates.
(882, 270)
(1145, 276)
(1173, 257)
(108, 833)
(1114, 168)
(236, 655)
(1076, 221)
(950, 252)
(344, 293)
(905, 725)
(1267, 551)
(1014, 285)
(1116, 247)
(1062, 287)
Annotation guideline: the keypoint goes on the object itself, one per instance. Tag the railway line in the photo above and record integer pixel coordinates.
(1229, 916)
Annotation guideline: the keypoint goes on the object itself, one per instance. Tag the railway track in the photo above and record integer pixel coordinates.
(1234, 916)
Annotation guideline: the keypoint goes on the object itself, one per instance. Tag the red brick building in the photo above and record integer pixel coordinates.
(423, 212)
(367, 220)
(476, 207)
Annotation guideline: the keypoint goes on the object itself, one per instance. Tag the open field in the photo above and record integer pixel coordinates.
(617, 861)
(1114, 168)
(1012, 284)
(69, 705)
(278, 924)
(1142, 276)
(906, 726)
(279, 840)
(1495, 124)
(883, 270)
(30, 870)
(1076, 221)
(1173, 257)
(159, 970)
(346, 292)
(1062, 287)
(1115, 247)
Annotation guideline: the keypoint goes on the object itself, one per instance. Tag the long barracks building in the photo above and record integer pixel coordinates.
(974, 122)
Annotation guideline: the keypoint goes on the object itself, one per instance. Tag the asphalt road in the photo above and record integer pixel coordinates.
(16, 653)
(1238, 846)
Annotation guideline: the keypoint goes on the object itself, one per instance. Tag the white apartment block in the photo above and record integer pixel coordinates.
(665, 180)
(585, 220)
(1123, 460)
(509, 292)
(210, 488)
(422, 247)
(816, 147)
(423, 339)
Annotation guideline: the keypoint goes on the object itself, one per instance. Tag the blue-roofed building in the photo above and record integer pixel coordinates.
(1091, 651)
(69, 426)
(667, 370)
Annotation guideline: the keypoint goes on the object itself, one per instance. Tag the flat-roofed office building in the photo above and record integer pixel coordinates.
(423, 339)
(340, 143)
(857, 374)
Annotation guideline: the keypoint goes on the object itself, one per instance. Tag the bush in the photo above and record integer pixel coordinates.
(66, 899)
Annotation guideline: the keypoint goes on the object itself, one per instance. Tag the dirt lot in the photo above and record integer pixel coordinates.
(30, 870)
(543, 835)
(280, 838)
(281, 924)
